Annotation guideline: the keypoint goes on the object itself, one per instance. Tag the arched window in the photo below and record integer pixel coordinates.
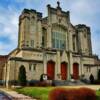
(44, 37)
(22, 75)
(58, 38)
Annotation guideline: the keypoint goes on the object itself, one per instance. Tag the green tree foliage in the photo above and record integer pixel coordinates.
(99, 74)
(91, 79)
(22, 76)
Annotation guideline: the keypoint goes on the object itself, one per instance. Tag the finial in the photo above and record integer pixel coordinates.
(58, 3)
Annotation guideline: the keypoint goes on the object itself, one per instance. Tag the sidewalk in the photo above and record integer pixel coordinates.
(14, 95)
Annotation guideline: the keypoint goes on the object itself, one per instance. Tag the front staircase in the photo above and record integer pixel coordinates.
(68, 82)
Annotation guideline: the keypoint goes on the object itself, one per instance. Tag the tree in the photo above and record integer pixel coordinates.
(91, 79)
(22, 76)
(41, 77)
(99, 74)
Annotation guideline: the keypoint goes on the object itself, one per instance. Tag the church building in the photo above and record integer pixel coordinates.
(51, 46)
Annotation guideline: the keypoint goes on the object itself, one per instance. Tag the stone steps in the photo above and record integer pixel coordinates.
(69, 83)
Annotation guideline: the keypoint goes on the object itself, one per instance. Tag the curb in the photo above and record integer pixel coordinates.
(6, 94)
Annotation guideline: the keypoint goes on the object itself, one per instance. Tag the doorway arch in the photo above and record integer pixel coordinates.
(76, 71)
(64, 71)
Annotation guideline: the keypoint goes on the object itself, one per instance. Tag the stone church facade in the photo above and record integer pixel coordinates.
(51, 46)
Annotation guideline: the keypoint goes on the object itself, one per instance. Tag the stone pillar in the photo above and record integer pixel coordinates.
(58, 65)
(49, 37)
(44, 63)
(70, 65)
(39, 35)
(81, 65)
(5, 73)
(8, 76)
(70, 48)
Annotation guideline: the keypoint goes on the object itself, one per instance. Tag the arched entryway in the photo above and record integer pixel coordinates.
(22, 76)
(50, 70)
(63, 70)
(76, 71)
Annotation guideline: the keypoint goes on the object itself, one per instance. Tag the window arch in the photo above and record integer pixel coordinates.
(58, 37)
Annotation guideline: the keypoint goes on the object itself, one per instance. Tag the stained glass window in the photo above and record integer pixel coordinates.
(59, 40)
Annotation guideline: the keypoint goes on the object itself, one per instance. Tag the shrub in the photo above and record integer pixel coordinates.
(58, 94)
(13, 82)
(41, 77)
(31, 83)
(99, 74)
(97, 82)
(72, 94)
(91, 79)
(43, 83)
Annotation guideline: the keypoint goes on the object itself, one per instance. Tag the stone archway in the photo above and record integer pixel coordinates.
(76, 71)
(22, 75)
(50, 70)
(64, 71)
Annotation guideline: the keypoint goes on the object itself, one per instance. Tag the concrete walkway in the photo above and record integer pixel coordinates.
(14, 95)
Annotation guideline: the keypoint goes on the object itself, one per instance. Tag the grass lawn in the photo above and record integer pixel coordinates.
(36, 92)
(42, 92)
(98, 94)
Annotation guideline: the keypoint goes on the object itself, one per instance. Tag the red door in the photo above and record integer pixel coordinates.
(75, 71)
(63, 71)
(50, 70)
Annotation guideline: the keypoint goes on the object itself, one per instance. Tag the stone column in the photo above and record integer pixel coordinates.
(49, 37)
(8, 75)
(39, 34)
(5, 73)
(58, 65)
(44, 62)
(70, 64)
(81, 65)
(70, 52)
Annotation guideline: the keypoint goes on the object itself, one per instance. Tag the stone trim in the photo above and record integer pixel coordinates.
(25, 60)
(91, 65)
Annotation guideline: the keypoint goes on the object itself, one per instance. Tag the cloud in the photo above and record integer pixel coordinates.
(87, 12)
(81, 11)
(9, 29)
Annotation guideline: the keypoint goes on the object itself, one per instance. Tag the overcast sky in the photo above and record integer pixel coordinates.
(81, 12)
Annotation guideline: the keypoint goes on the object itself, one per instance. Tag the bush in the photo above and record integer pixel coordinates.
(58, 94)
(99, 74)
(72, 94)
(97, 82)
(2, 82)
(43, 83)
(91, 79)
(31, 83)
(13, 82)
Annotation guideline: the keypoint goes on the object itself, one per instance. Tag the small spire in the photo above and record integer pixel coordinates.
(58, 3)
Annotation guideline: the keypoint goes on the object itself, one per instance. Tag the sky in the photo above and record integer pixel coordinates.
(81, 12)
